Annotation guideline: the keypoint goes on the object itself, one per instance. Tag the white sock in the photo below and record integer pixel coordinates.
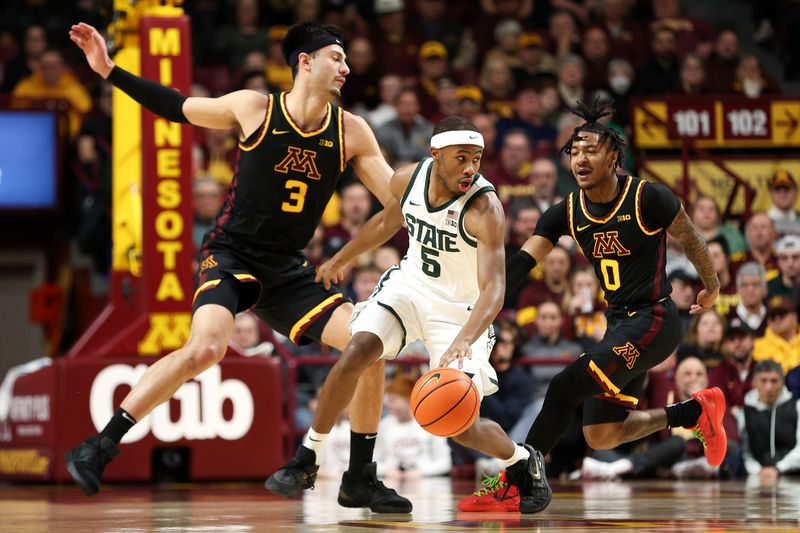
(314, 441)
(520, 454)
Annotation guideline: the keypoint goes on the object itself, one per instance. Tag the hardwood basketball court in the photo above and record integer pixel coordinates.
(663, 506)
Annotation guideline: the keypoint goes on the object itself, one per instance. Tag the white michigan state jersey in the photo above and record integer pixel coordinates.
(441, 255)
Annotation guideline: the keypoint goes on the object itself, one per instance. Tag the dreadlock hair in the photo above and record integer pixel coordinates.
(592, 115)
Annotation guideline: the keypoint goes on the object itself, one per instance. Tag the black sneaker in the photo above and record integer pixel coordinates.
(366, 491)
(87, 460)
(529, 476)
(297, 475)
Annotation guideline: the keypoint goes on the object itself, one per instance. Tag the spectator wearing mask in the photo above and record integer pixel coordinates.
(781, 342)
(751, 80)
(783, 194)
(787, 281)
(751, 286)
(770, 426)
(620, 80)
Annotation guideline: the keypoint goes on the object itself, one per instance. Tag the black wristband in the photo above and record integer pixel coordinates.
(162, 101)
(517, 268)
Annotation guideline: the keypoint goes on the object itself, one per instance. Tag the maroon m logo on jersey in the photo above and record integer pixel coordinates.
(299, 160)
(607, 243)
(627, 352)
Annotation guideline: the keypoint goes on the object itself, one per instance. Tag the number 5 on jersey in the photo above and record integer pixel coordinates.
(297, 196)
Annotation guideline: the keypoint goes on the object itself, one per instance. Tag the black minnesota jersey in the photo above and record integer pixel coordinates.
(625, 240)
(284, 179)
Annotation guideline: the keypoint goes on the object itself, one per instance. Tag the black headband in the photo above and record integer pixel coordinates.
(312, 46)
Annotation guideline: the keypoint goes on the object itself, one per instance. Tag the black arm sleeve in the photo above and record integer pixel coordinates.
(517, 268)
(553, 223)
(162, 101)
(660, 206)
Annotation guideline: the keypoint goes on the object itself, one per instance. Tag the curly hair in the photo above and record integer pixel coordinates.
(592, 114)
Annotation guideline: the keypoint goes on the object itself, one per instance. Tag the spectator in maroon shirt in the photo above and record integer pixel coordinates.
(660, 74)
(355, 208)
(595, 50)
(362, 82)
(761, 235)
(735, 374)
(751, 80)
(723, 61)
(511, 177)
(522, 218)
(396, 42)
(627, 38)
(691, 34)
(432, 68)
(551, 285)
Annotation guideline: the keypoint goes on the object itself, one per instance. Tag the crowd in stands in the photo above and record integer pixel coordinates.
(516, 68)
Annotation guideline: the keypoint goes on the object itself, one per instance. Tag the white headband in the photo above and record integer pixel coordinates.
(449, 138)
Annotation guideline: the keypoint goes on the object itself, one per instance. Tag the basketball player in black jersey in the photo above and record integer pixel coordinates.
(293, 148)
(620, 224)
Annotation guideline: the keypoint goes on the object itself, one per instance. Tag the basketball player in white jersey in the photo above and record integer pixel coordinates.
(446, 291)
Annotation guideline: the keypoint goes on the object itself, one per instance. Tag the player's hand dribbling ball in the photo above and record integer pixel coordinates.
(445, 402)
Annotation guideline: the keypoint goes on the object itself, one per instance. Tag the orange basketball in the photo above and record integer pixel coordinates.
(445, 402)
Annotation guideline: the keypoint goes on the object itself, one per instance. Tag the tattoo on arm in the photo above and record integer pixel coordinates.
(695, 248)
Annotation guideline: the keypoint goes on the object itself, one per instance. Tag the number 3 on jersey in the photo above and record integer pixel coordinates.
(610, 271)
(297, 196)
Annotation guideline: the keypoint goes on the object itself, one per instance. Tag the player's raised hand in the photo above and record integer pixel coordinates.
(331, 271)
(91, 42)
(705, 300)
(458, 350)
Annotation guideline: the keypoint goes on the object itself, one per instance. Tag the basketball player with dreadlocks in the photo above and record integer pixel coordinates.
(620, 223)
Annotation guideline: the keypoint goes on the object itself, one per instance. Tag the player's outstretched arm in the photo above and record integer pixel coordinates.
(486, 222)
(365, 155)
(237, 109)
(696, 250)
(376, 231)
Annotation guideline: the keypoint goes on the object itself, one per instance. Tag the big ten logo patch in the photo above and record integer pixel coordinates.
(627, 352)
(608, 243)
(298, 160)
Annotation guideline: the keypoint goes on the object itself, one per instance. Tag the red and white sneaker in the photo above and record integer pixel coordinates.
(496, 495)
(709, 429)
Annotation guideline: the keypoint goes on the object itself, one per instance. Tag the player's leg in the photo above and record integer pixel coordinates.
(211, 330)
(366, 406)
(359, 488)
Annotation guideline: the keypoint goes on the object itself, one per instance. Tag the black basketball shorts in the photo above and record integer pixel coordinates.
(637, 339)
(278, 287)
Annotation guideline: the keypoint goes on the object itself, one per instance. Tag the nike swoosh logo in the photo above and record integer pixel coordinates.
(581, 228)
(470, 307)
(370, 437)
(473, 137)
(312, 439)
(279, 132)
(537, 475)
(412, 203)
(435, 376)
(631, 313)
(128, 417)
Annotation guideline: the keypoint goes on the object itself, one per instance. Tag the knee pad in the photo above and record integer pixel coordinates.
(573, 384)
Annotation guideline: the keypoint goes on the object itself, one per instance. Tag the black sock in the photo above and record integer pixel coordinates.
(361, 448)
(119, 424)
(683, 414)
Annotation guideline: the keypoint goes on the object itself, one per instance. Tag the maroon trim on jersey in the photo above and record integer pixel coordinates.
(223, 218)
(638, 204)
(254, 139)
(662, 254)
(655, 326)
